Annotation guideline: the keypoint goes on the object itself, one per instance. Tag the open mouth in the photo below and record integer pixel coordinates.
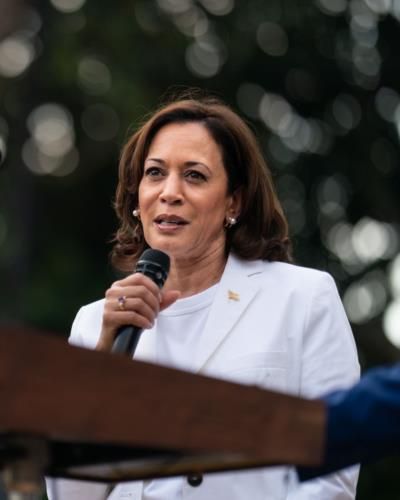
(168, 220)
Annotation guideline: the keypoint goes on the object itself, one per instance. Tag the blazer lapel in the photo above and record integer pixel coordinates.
(236, 290)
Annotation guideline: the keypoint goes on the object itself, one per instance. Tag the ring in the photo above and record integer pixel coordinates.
(122, 302)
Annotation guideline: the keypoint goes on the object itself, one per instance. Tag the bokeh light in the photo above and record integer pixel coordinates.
(3, 149)
(175, 6)
(68, 6)
(147, 16)
(50, 149)
(333, 197)
(52, 129)
(218, 7)
(373, 240)
(386, 102)
(339, 241)
(366, 298)
(272, 39)
(100, 122)
(379, 6)
(205, 56)
(394, 276)
(16, 54)
(391, 322)
(297, 133)
(94, 76)
(332, 7)
(192, 23)
(346, 112)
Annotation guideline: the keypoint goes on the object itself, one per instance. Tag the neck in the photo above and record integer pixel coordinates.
(191, 276)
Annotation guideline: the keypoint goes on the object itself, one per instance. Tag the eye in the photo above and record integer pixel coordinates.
(153, 172)
(195, 175)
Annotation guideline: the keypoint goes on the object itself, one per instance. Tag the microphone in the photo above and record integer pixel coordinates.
(155, 265)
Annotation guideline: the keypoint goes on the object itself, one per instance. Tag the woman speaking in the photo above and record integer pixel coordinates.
(193, 184)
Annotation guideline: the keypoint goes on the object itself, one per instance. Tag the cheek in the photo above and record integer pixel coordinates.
(217, 205)
(140, 195)
(145, 198)
(214, 215)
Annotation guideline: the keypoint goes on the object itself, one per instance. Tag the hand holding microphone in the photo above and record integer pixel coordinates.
(133, 303)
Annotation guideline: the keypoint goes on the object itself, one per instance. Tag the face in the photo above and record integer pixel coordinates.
(183, 194)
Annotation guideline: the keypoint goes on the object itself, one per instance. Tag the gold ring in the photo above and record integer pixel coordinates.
(122, 302)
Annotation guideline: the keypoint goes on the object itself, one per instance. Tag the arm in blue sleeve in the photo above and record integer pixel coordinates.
(363, 422)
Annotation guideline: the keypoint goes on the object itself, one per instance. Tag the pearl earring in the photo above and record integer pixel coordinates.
(136, 213)
(230, 221)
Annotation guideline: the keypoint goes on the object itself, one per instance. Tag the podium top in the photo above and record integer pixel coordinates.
(147, 420)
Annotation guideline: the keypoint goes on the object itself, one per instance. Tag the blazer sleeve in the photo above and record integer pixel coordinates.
(75, 336)
(329, 361)
(363, 422)
(86, 326)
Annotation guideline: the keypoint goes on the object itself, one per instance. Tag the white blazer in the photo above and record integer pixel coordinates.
(272, 324)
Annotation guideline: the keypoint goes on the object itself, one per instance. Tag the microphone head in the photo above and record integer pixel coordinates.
(157, 257)
(154, 264)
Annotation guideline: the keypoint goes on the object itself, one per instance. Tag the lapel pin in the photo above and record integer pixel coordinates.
(233, 296)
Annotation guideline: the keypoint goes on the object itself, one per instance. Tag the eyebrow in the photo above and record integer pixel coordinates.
(186, 164)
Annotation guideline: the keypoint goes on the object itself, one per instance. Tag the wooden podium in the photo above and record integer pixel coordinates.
(76, 413)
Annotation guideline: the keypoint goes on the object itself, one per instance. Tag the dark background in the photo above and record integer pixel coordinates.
(318, 81)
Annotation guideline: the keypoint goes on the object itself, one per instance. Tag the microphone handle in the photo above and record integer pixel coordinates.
(127, 339)
(155, 265)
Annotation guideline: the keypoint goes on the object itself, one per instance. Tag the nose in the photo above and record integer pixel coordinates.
(171, 192)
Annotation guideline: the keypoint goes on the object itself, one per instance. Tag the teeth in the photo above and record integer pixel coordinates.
(166, 222)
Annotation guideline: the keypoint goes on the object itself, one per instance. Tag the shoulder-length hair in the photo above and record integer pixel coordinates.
(261, 231)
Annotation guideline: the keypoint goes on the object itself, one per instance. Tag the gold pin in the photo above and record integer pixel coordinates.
(233, 296)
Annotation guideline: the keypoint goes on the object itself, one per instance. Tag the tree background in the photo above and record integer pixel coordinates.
(318, 81)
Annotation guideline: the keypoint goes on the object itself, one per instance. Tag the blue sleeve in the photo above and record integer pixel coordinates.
(363, 422)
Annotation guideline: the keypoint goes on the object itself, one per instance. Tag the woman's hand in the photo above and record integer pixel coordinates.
(135, 300)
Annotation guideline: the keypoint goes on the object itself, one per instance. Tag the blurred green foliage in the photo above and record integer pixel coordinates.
(319, 83)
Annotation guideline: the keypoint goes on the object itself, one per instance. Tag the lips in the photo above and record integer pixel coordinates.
(170, 220)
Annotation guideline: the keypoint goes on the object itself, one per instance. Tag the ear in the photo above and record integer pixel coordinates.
(235, 203)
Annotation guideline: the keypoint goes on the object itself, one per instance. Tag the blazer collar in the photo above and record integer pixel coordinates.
(236, 290)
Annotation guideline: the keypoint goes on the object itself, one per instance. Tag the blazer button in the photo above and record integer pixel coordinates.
(195, 479)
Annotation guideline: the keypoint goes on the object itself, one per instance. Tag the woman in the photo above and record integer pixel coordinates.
(193, 183)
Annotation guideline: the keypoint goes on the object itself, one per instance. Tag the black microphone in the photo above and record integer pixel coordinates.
(155, 265)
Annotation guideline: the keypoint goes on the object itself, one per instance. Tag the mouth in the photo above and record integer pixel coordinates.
(170, 221)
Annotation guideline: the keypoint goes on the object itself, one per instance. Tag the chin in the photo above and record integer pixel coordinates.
(169, 247)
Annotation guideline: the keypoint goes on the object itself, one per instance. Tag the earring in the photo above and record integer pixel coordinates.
(136, 213)
(230, 221)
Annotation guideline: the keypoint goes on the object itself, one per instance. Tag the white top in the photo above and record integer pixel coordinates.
(178, 329)
(178, 334)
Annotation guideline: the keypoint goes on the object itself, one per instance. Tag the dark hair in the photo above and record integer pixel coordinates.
(262, 229)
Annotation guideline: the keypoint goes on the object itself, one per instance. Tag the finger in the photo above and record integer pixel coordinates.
(136, 279)
(140, 292)
(168, 298)
(113, 320)
(140, 307)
